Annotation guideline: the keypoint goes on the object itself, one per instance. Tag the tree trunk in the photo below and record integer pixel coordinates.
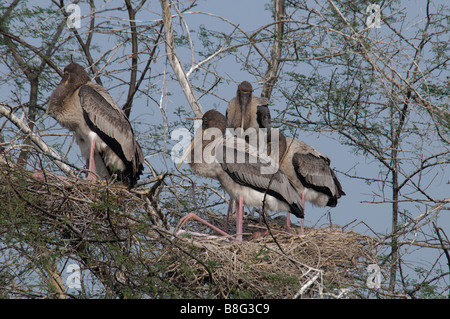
(271, 77)
(175, 61)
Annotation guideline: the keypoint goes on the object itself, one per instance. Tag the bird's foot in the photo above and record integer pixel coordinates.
(41, 175)
(38, 175)
(194, 216)
(91, 176)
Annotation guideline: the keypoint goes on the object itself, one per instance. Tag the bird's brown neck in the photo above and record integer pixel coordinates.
(59, 95)
(282, 145)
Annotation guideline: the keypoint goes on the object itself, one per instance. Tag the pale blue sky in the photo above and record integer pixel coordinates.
(249, 15)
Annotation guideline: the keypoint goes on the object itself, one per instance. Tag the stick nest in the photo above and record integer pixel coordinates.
(317, 265)
(122, 237)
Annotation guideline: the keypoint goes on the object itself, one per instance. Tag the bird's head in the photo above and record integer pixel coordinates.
(214, 119)
(214, 124)
(75, 75)
(244, 95)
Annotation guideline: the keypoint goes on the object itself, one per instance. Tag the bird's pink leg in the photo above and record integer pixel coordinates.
(239, 219)
(91, 167)
(230, 205)
(39, 175)
(237, 214)
(302, 219)
(193, 216)
(288, 222)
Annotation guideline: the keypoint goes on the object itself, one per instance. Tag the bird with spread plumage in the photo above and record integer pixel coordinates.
(102, 130)
(307, 169)
(310, 172)
(249, 177)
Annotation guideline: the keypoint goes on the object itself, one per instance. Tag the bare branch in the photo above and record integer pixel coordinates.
(271, 76)
(175, 61)
(36, 139)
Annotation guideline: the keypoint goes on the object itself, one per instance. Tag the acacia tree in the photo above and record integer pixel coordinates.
(381, 91)
(382, 96)
(37, 42)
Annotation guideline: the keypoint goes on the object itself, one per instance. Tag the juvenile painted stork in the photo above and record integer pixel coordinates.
(249, 114)
(310, 172)
(101, 128)
(249, 177)
(307, 169)
(248, 111)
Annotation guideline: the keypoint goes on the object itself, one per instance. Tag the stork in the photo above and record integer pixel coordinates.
(102, 130)
(246, 111)
(310, 172)
(307, 169)
(249, 113)
(249, 177)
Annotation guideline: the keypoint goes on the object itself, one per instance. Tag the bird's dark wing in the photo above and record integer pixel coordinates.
(106, 118)
(314, 172)
(249, 172)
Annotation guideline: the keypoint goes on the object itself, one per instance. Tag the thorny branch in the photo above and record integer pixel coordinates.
(6, 111)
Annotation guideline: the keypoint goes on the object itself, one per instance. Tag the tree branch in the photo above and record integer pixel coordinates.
(134, 57)
(84, 45)
(175, 61)
(36, 139)
(270, 78)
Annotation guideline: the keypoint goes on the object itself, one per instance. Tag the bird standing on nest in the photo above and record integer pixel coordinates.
(248, 111)
(310, 173)
(307, 169)
(101, 128)
(249, 177)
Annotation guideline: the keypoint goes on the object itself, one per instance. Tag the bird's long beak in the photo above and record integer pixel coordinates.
(185, 154)
(245, 99)
(47, 111)
(67, 81)
(242, 120)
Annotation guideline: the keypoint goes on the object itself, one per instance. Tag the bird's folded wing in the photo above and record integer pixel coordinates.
(314, 172)
(108, 120)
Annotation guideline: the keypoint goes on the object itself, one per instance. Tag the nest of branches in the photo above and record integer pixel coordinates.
(97, 224)
(316, 265)
(75, 203)
(122, 238)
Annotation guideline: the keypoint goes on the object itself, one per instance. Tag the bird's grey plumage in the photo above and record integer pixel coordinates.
(244, 177)
(310, 172)
(88, 110)
(250, 173)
